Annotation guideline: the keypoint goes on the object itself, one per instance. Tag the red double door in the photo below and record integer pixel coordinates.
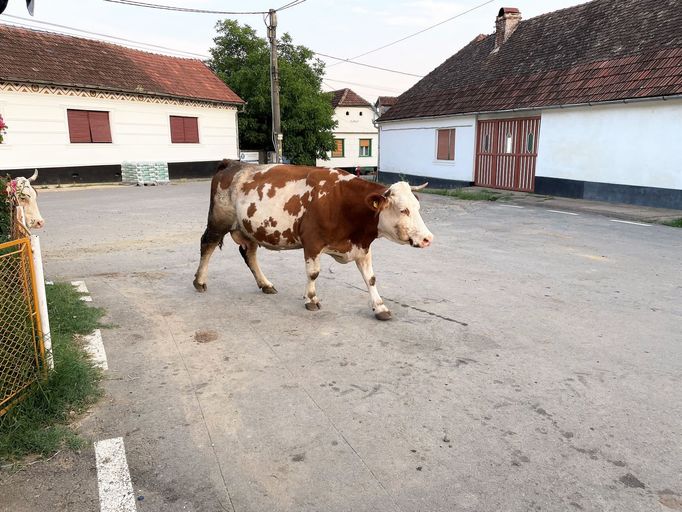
(506, 152)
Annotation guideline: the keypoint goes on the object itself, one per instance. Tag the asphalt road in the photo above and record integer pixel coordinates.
(534, 363)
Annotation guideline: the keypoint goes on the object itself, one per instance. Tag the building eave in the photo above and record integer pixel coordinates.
(120, 91)
(537, 108)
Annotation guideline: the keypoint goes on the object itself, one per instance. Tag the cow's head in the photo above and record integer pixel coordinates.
(21, 191)
(399, 218)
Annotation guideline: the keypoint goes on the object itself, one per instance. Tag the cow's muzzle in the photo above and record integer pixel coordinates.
(425, 242)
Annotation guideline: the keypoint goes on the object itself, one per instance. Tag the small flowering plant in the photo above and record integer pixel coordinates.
(3, 129)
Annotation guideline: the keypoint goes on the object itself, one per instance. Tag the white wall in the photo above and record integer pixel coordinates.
(38, 134)
(631, 144)
(409, 147)
(351, 128)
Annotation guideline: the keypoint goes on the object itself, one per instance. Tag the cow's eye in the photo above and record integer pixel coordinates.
(405, 212)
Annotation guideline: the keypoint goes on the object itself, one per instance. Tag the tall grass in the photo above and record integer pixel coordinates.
(40, 423)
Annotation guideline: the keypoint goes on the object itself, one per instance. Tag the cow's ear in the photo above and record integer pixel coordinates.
(377, 202)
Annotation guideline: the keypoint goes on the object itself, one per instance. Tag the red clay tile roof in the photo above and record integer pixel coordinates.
(31, 56)
(386, 101)
(347, 98)
(599, 51)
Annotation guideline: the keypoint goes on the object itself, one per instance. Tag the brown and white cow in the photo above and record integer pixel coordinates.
(21, 193)
(319, 210)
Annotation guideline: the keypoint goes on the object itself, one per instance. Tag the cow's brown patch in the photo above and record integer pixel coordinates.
(306, 199)
(273, 238)
(251, 210)
(293, 205)
(252, 183)
(273, 222)
(247, 225)
(372, 281)
(205, 336)
(289, 236)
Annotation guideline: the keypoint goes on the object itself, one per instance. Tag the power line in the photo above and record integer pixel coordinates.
(369, 86)
(420, 31)
(291, 4)
(136, 3)
(196, 55)
(367, 65)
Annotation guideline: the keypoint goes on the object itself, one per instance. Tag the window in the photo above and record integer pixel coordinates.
(338, 150)
(509, 143)
(446, 144)
(184, 130)
(530, 142)
(88, 126)
(365, 147)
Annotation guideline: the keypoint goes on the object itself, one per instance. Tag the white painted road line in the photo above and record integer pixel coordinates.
(95, 348)
(630, 222)
(81, 288)
(113, 478)
(562, 212)
(511, 206)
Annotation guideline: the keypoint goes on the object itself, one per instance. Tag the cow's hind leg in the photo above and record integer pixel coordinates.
(312, 270)
(211, 239)
(381, 312)
(248, 251)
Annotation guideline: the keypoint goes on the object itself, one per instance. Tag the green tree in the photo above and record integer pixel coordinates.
(242, 60)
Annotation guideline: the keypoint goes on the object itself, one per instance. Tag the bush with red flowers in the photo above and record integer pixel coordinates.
(3, 129)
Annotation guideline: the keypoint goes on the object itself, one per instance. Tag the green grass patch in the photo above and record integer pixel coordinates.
(40, 424)
(469, 194)
(676, 223)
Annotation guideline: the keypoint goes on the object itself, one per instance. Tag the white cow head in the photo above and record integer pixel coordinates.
(399, 218)
(21, 191)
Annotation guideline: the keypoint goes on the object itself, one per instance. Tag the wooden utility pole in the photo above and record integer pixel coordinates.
(277, 136)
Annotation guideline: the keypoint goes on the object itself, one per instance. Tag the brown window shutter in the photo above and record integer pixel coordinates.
(443, 144)
(177, 129)
(191, 130)
(451, 154)
(99, 126)
(79, 127)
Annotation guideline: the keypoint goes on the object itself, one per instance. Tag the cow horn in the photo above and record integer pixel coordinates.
(419, 187)
(34, 177)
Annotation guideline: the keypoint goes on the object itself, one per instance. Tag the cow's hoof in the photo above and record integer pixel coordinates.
(200, 287)
(313, 306)
(383, 315)
(270, 290)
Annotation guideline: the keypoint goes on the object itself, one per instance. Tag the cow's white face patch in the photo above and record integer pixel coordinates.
(400, 220)
(27, 198)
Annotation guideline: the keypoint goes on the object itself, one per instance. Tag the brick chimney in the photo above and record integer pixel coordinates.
(507, 20)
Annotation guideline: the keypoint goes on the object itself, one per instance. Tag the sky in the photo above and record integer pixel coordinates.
(341, 28)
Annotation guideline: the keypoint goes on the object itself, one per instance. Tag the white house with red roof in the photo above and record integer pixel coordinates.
(77, 109)
(356, 138)
(584, 102)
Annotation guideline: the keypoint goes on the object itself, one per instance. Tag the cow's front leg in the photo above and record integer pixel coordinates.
(364, 263)
(312, 270)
